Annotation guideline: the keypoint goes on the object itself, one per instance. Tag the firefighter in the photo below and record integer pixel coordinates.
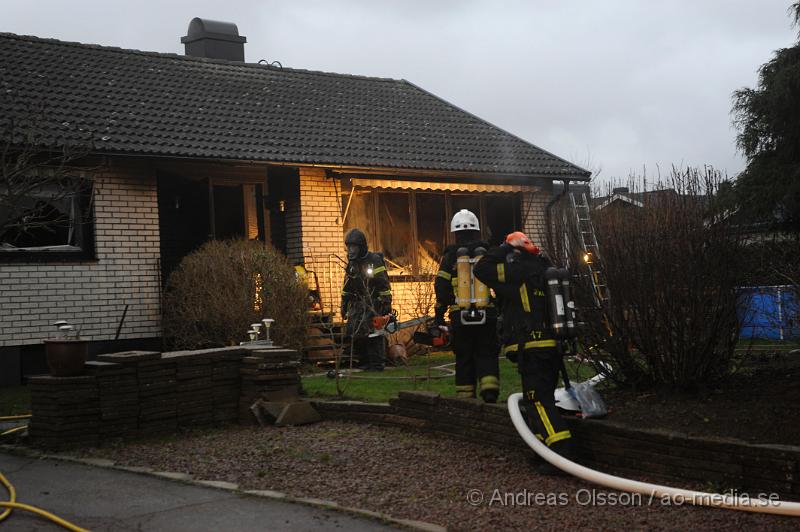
(515, 271)
(366, 293)
(473, 317)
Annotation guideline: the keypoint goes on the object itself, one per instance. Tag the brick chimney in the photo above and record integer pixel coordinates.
(214, 39)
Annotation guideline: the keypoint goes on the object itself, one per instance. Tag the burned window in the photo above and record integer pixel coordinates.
(412, 228)
(53, 217)
(393, 226)
(360, 214)
(432, 228)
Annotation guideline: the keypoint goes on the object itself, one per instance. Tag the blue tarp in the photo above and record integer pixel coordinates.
(769, 312)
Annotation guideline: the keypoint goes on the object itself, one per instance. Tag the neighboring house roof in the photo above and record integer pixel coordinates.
(618, 197)
(172, 105)
(636, 199)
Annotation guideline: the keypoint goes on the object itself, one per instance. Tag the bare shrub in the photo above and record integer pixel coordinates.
(219, 290)
(672, 267)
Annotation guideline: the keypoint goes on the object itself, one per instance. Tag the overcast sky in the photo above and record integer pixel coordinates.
(611, 85)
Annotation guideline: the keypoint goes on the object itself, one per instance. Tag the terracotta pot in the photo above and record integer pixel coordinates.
(66, 358)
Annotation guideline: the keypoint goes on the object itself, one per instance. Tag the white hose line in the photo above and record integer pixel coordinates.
(655, 492)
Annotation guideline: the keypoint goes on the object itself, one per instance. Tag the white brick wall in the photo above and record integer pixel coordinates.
(93, 294)
(321, 233)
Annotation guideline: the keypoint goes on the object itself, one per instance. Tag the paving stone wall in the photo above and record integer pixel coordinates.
(657, 456)
(146, 393)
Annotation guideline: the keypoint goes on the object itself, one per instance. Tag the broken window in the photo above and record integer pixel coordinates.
(432, 229)
(412, 228)
(50, 218)
(395, 231)
(360, 214)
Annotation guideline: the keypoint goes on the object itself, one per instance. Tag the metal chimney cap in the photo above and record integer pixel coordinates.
(203, 28)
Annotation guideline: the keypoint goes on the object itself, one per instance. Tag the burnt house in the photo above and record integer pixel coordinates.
(186, 148)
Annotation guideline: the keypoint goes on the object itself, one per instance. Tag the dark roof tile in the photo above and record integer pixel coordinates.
(166, 104)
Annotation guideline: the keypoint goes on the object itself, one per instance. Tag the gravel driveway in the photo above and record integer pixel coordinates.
(460, 485)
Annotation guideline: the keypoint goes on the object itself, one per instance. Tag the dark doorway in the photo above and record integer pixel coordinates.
(193, 211)
(229, 217)
(283, 197)
(183, 219)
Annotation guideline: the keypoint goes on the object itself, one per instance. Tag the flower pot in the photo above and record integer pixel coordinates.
(66, 358)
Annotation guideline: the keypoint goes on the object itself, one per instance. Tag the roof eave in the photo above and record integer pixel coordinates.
(343, 168)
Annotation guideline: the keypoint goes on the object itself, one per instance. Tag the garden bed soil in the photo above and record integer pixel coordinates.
(417, 476)
(761, 405)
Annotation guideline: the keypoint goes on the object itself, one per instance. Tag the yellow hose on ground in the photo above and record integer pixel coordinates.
(15, 429)
(13, 418)
(12, 504)
(12, 496)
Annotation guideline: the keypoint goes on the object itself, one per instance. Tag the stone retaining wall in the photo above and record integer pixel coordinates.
(660, 456)
(144, 393)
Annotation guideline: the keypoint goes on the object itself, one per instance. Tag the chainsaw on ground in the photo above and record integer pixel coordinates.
(388, 324)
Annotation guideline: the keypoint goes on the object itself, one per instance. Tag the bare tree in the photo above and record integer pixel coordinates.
(672, 264)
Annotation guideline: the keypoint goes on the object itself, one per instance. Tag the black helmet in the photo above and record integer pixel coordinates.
(356, 242)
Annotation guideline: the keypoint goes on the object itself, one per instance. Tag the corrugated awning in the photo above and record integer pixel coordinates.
(453, 187)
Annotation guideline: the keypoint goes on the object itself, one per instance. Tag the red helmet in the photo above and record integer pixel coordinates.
(520, 241)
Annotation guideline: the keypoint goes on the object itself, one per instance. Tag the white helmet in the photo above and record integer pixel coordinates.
(464, 220)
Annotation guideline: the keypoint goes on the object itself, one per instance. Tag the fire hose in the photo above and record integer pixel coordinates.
(675, 495)
(14, 418)
(12, 504)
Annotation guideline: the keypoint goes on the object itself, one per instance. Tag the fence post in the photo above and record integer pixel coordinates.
(780, 311)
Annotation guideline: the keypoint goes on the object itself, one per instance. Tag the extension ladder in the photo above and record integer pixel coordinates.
(588, 242)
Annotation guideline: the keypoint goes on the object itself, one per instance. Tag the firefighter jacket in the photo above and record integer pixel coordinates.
(367, 291)
(446, 283)
(517, 277)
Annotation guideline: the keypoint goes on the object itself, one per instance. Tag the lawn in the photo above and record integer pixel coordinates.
(364, 386)
(381, 386)
(14, 400)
